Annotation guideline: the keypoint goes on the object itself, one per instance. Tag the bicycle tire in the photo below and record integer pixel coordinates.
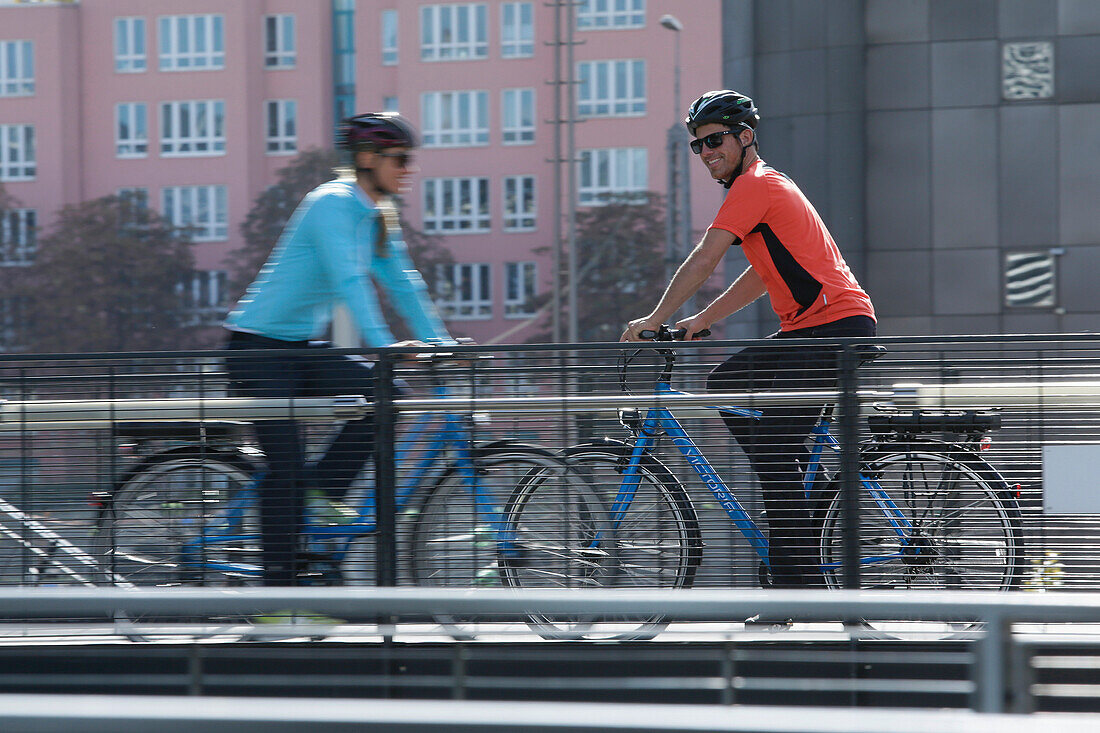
(452, 544)
(160, 504)
(657, 544)
(965, 529)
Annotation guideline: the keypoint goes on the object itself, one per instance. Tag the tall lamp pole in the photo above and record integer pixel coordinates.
(678, 230)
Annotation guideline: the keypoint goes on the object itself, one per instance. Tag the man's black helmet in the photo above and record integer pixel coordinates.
(724, 107)
(376, 131)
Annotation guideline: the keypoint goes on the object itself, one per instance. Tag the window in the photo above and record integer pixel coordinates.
(192, 128)
(464, 292)
(131, 131)
(599, 14)
(1030, 279)
(134, 204)
(190, 42)
(451, 32)
(13, 321)
(517, 111)
(279, 47)
(611, 88)
(519, 289)
(17, 154)
(201, 207)
(18, 235)
(204, 296)
(517, 30)
(16, 68)
(519, 203)
(281, 127)
(389, 37)
(611, 171)
(454, 205)
(452, 119)
(130, 45)
(389, 104)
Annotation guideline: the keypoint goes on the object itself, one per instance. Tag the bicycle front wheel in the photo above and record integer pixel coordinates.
(613, 530)
(456, 527)
(929, 520)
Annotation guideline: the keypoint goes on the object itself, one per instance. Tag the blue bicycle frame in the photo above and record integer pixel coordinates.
(450, 434)
(660, 420)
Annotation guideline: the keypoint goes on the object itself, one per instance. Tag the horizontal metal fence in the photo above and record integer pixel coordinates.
(136, 470)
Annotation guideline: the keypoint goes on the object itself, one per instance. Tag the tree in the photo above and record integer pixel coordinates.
(106, 278)
(273, 208)
(620, 266)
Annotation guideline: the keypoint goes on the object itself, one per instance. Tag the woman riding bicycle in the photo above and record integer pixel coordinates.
(343, 235)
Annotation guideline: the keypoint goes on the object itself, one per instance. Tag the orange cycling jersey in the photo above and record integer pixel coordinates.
(787, 244)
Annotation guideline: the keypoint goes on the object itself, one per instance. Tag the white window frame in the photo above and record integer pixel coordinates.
(454, 119)
(134, 144)
(520, 286)
(204, 120)
(203, 36)
(17, 153)
(388, 27)
(456, 205)
(130, 46)
(517, 30)
(603, 15)
(517, 116)
(204, 296)
(611, 88)
(602, 172)
(464, 291)
(203, 208)
(519, 205)
(454, 32)
(18, 237)
(283, 115)
(16, 68)
(280, 41)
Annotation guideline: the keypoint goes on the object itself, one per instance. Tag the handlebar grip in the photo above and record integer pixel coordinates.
(680, 334)
(647, 334)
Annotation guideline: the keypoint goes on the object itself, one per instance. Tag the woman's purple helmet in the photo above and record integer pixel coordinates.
(376, 131)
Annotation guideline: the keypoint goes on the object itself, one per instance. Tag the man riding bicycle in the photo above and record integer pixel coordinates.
(344, 235)
(793, 258)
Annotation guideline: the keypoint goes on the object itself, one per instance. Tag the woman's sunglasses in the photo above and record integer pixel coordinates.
(402, 160)
(712, 140)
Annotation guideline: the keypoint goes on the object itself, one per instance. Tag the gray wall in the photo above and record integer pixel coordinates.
(889, 114)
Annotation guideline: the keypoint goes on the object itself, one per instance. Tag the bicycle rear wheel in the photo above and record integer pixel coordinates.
(943, 520)
(453, 539)
(151, 532)
(596, 535)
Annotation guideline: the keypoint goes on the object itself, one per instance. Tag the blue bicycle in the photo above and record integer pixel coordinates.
(187, 512)
(933, 513)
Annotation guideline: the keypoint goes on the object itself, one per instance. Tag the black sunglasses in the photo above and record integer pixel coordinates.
(712, 140)
(403, 160)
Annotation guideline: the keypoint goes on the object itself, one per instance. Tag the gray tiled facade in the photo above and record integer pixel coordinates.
(929, 163)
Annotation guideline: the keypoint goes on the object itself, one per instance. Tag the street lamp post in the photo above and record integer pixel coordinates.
(678, 230)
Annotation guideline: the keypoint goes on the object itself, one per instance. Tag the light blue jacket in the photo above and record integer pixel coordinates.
(327, 255)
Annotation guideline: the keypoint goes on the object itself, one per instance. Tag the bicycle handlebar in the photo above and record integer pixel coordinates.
(664, 333)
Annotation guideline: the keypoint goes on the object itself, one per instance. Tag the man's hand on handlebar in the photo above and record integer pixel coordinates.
(634, 329)
(694, 327)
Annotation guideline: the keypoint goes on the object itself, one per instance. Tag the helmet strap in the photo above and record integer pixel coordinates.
(741, 163)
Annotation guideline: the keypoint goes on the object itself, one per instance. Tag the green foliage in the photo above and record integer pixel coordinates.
(105, 278)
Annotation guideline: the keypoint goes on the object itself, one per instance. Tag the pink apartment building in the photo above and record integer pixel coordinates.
(195, 104)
